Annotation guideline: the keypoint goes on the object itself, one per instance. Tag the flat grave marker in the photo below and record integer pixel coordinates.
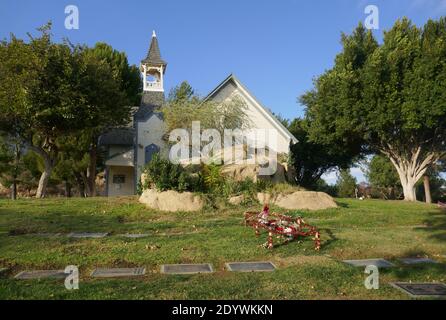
(186, 268)
(250, 266)
(117, 272)
(421, 290)
(47, 235)
(41, 274)
(380, 263)
(417, 260)
(87, 234)
(134, 235)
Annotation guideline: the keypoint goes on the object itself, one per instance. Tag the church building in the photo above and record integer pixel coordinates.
(129, 149)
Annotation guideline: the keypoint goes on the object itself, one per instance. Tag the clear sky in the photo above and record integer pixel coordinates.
(275, 48)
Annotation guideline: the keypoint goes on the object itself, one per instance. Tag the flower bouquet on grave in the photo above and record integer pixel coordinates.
(283, 226)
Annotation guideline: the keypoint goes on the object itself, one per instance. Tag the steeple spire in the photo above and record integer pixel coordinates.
(154, 55)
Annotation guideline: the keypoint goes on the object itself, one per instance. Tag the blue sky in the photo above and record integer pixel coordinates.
(275, 48)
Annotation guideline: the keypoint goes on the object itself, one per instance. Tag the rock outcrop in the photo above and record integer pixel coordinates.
(240, 172)
(299, 200)
(236, 200)
(171, 201)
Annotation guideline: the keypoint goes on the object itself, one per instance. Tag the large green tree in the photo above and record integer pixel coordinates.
(311, 159)
(51, 91)
(111, 87)
(388, 98)
(38, 98)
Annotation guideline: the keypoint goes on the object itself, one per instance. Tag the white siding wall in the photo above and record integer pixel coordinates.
(150, 131)
(125, 189)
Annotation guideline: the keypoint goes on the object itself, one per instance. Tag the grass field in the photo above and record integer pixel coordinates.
(357, 229)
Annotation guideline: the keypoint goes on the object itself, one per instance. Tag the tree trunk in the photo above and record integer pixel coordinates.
(46, 174)
(87, 190)
(67, 189)
(43, 182)
(410, 168)
(409, 190)
(80, 184)
(427, 189)
(14, 190)
(91, 171)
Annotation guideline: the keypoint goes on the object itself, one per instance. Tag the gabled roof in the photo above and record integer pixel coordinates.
(154, 54)
(118, 137)
(276, 123)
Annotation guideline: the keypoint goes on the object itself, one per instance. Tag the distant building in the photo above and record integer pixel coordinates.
(129, 149)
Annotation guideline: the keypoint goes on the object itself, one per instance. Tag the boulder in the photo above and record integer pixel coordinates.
(264, 198)
(299, 200)
(240, 172)
(143, 178)
(171, 201)
(237, 200)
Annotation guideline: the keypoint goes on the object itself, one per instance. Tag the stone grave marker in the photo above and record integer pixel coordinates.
(41, 274)
(380, 263)
(87, 234)
(250, 266)
(134, 235)
(186, 268)
(420, 290)
(118, 272)
(47, 235)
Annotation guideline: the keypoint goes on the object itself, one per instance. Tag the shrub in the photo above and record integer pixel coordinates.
(212, 177)
(164, 175)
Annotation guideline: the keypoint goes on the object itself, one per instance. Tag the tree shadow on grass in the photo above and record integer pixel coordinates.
(66, 222)
(435, 225)
(342, 205)
(422, 271)
(418, 271)
(332, 237)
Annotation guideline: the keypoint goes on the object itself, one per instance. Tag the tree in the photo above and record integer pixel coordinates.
(346, 184)
(49, 92)
(383, 177)
(181, 93)
(111, 87)
(18, 168)
(10, 164)
(38, 98)
(388, 99)
(312, 159)
(183, 107)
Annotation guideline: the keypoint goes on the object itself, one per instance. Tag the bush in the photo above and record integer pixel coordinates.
(206, 179)
(164, 175)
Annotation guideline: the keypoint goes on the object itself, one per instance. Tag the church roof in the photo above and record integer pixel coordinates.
(232, 79)
(154, 54)
(118, 137)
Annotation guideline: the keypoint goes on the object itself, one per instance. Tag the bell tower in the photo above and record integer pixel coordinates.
(153, 68)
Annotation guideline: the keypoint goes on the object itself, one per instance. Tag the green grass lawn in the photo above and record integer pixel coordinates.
(357, 229)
